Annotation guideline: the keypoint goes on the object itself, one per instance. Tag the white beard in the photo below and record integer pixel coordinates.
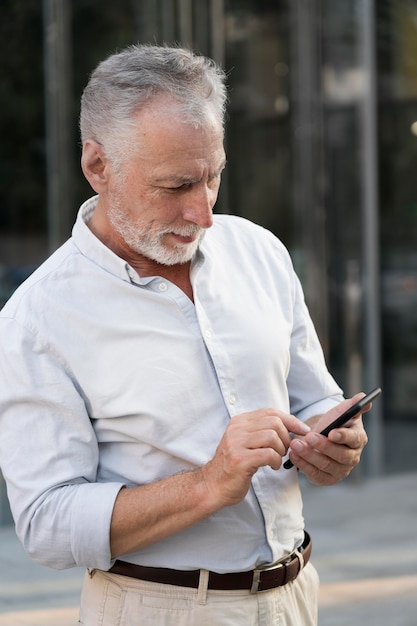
(147, 239)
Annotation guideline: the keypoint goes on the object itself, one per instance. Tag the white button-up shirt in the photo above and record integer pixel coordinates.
(109, 379)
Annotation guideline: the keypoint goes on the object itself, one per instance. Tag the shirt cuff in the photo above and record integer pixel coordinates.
(318, 408)
(90, 524)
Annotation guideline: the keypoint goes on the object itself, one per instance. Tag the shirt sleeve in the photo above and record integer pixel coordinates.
(312, 389)
(49, 456)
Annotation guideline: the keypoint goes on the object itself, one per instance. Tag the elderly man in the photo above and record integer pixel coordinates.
(156, 370)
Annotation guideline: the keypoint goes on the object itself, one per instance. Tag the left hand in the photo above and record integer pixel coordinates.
(327, 460)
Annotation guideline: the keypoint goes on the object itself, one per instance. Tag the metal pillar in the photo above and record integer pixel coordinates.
(370, 238)
(58, 99)
(308, 160)
(217, 31)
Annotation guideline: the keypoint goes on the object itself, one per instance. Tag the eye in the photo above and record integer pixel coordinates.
(182, 187)
(214, 181)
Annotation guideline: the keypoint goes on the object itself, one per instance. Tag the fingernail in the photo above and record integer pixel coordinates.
(313, 439)
(297, 446)
(305, 427)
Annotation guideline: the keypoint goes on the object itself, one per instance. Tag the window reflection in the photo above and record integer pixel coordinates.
(295, 153)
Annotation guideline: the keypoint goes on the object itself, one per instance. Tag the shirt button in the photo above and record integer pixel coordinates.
(232, 399)
(162, 287)
(208, 334)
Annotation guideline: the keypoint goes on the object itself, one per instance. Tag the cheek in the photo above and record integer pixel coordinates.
(165, 207)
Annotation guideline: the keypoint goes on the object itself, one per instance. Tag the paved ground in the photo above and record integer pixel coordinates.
(365, 549)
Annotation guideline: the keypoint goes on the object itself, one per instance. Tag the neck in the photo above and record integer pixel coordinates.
(179, 274)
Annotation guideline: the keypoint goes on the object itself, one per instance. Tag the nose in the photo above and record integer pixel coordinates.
(198, 205)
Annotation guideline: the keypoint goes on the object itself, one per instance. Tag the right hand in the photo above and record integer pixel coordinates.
(252, 440)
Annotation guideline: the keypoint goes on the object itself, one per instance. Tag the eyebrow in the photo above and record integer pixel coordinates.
(185, 180)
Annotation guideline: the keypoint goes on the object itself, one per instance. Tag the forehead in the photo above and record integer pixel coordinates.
(163, 106)
(163, 135)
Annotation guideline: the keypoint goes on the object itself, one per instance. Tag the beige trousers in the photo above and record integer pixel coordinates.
(113, 600)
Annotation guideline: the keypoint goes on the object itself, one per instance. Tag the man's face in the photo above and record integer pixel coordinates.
(161, 203)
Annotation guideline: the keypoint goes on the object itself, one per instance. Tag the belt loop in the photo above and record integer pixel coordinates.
(203, 586)
(300, 557)
(255, 581)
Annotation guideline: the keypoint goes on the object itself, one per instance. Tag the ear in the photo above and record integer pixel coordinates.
(95, 165)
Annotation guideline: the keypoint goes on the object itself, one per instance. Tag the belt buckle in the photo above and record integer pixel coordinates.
(256, 580)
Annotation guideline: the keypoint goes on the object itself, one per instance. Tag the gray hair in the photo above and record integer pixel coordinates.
(126, 81)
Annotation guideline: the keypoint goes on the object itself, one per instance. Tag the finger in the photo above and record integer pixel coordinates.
(271, 418)
(317, 450)
(319, 476)
(311, 462)
(320, 468)
(294, 425)
(269, 438)
(325, 447)
(354, 437)
(246, 448)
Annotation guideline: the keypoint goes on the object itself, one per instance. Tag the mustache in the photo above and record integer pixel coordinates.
(190, 230)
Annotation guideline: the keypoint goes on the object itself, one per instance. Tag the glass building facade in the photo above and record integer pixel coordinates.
(322, 149)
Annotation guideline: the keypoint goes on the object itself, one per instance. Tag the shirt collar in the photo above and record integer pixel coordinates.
(90, 246)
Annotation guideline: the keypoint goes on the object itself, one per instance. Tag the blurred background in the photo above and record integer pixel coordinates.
(322, 149)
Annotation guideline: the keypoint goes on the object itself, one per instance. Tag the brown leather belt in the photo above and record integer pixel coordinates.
(279, 574)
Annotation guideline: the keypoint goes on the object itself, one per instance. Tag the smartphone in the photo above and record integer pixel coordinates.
(346, 416)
